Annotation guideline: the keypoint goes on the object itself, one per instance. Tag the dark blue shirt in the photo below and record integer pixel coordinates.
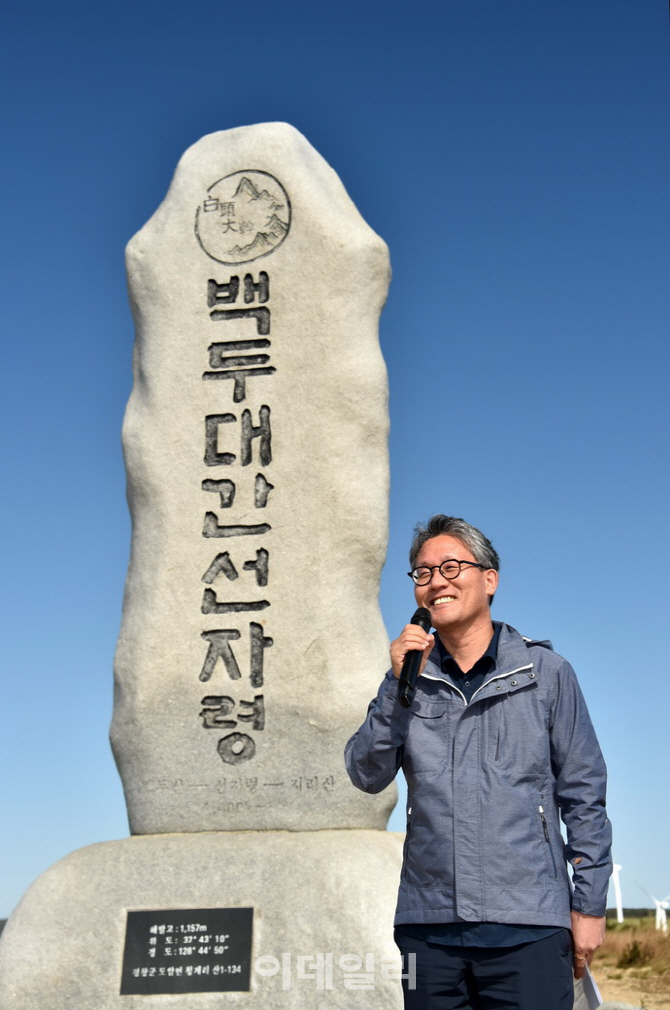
(474, 934)
(471, 681)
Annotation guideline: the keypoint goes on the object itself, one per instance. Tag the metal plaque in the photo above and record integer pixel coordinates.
(187, 950)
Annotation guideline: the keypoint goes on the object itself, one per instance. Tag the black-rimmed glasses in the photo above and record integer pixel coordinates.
(448, 570)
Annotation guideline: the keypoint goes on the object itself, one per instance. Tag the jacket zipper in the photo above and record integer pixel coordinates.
(548, 840)
(499, 676)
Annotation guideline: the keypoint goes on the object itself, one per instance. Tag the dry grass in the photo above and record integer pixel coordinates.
(636, 957)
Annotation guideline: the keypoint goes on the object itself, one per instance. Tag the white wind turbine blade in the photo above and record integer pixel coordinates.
(661, 917)
(616, 870)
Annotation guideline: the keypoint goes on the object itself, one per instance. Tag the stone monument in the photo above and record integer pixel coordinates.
(251, 641)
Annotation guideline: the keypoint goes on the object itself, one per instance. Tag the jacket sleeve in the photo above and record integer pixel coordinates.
(374, 753)
(581, 781)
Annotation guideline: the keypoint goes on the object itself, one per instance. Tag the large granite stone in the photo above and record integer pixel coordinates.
(256, 450)
(326, 893)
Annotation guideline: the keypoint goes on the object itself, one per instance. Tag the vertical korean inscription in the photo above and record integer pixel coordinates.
(236, 438)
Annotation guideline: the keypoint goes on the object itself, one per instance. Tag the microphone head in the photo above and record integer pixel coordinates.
(422, 618)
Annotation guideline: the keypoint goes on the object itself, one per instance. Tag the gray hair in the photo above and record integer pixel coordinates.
(479, 546)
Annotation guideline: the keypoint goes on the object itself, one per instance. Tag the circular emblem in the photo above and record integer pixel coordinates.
(243, 216)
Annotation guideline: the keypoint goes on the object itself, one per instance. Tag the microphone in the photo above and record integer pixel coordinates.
(410, 667)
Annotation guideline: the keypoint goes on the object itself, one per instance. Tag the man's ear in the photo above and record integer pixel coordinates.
(491, 580)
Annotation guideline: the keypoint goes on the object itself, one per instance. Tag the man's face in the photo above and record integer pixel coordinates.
(454, 603)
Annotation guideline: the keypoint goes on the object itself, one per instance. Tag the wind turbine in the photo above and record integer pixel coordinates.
(661, 917)
(616, 870)
(661, 909)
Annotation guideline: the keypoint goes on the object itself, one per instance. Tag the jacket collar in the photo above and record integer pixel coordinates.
(513, 657)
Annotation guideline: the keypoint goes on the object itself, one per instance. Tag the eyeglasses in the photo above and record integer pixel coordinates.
(448, 570)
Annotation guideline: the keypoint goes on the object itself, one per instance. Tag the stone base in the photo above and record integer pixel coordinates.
(312, 893)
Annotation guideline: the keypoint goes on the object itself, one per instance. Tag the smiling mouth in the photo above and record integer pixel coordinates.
(443, 599)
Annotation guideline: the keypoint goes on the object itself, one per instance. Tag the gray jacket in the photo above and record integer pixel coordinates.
(486, 782)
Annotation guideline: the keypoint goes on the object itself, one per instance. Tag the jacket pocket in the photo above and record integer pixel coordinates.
(427, 742)
(541, 808)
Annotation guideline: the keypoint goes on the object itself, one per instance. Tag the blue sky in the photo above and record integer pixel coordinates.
(514, 156)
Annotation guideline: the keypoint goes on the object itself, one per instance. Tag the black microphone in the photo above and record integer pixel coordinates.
(412, 661)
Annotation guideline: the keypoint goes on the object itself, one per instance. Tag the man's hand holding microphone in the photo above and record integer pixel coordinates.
(409, 653)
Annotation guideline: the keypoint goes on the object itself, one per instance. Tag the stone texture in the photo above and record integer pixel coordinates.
(327, 891)
(201, 743)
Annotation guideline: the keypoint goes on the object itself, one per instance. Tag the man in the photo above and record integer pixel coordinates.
(497, 742)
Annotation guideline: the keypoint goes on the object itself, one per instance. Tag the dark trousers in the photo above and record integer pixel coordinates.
(530, 976)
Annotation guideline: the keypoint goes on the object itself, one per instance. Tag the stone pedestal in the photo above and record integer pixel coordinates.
(324, 892)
